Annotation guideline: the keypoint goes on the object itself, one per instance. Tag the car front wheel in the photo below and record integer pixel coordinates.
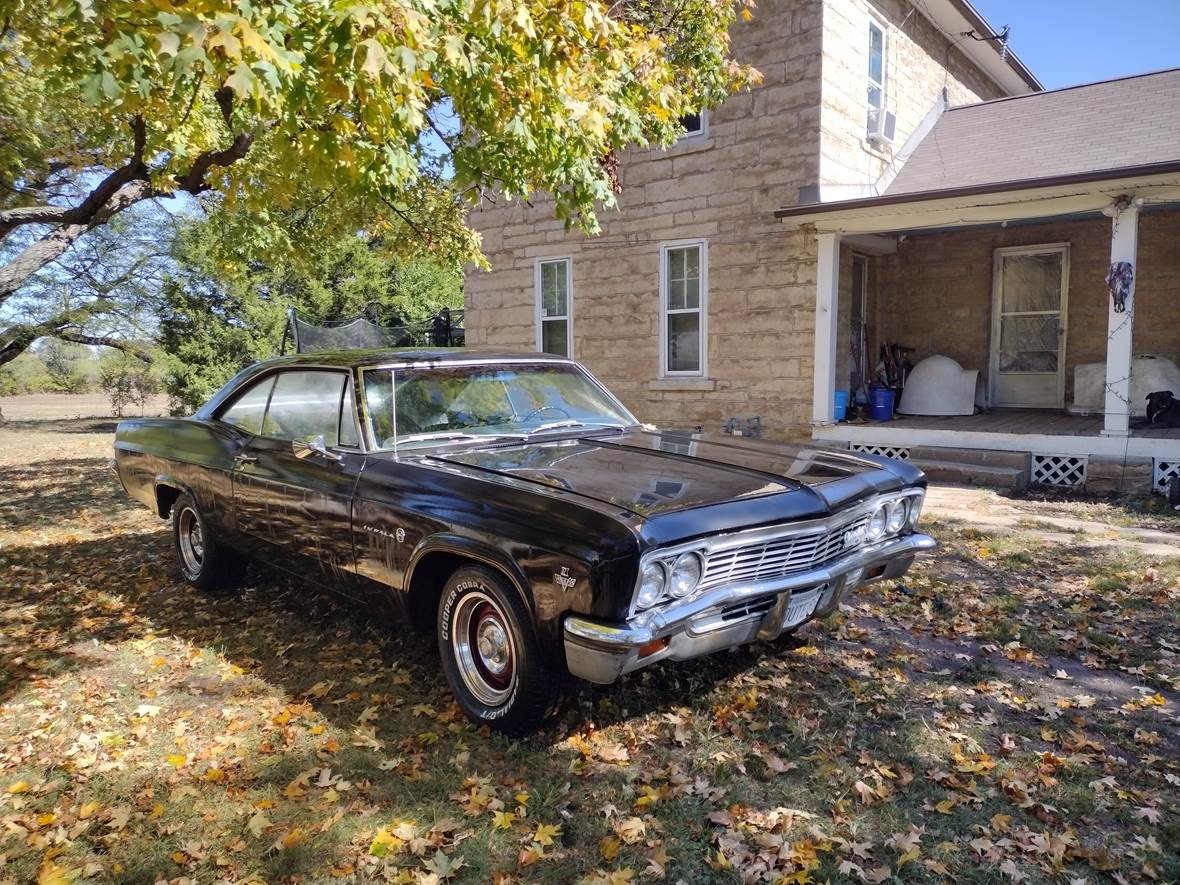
(491, 657)
(203, 562)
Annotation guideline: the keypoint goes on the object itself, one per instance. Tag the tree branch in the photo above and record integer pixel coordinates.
(194, 181)
(136, 187)
(131, 171)
(106, 341)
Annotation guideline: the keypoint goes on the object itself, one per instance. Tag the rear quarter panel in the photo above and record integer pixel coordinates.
(187, 453)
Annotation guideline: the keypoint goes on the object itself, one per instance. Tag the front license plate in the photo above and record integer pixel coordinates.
(801, 607)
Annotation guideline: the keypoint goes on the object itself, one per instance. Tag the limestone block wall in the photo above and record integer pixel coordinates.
(936, 293)
(919, 61)
(759, 149)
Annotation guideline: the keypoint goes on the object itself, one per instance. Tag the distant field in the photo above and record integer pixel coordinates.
(48, 406)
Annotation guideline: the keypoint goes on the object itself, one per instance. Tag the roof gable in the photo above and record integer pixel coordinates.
(1116, 124)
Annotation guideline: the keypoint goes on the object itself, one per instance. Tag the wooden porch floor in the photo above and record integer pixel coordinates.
(1022, 422)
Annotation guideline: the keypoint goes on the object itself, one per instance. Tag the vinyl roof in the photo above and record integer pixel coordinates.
(1115, 124)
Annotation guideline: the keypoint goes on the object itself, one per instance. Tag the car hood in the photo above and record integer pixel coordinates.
(681, 484)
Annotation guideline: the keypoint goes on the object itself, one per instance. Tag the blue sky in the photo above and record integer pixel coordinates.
(1065, 42)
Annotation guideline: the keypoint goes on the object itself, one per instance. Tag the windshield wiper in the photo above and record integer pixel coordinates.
(557, 425)
(438, 435)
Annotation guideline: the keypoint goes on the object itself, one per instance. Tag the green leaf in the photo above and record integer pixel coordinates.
(169, 42)
(242, 81)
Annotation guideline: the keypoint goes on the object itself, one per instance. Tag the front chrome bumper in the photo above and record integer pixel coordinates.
(714, 621)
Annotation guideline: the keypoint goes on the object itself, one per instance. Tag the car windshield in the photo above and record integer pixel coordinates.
(421, 406)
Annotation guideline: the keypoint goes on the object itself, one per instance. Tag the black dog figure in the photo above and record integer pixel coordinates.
(1163, 409)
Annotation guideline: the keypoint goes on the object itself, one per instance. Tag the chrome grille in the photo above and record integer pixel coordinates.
(776, 558)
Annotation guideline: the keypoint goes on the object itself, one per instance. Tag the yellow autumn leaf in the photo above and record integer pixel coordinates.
(51, 874)
(293, 837)
(546, 833)
(19, 787)
(177, 760)
(609, 848)
(87, 810)
(502, 820)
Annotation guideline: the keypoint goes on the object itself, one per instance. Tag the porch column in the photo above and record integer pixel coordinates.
(1124, 240)
(827, 300)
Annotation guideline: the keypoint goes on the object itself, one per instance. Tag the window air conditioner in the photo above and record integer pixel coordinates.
(882, 126)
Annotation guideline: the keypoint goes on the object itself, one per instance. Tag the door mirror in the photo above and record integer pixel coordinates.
(305, 448)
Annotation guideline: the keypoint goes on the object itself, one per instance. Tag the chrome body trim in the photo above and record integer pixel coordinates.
(735, 541)
(602, 652)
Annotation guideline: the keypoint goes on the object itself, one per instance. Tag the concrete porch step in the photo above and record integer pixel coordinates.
(983, 457)
(1006, 478)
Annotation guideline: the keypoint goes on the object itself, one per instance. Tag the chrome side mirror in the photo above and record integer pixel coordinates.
(305, 448)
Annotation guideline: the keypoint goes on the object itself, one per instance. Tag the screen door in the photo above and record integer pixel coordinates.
(1028, 327)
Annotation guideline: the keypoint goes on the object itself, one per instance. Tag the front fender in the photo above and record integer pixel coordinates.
(470, 548)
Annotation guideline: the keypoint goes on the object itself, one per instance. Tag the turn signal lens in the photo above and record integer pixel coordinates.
(651, 585)
(876, 526)
(915, 510)
(898, 511)
(686, 574)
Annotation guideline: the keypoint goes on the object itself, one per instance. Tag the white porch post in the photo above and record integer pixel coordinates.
(1124, 240)
(827, 301)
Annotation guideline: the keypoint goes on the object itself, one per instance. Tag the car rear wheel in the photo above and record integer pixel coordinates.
(491, 657)
(203, 562)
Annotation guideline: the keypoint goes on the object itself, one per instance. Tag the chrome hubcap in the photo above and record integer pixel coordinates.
(484, 649)
(492, 645)
(191, 541)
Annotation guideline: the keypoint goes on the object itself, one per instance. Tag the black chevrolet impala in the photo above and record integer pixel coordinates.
(513, 506)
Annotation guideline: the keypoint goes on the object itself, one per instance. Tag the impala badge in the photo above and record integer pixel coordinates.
(564, 580)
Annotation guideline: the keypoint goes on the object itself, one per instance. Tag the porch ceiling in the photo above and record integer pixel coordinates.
(1017, 201)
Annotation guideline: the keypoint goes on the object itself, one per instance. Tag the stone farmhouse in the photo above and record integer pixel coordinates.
(900, 180)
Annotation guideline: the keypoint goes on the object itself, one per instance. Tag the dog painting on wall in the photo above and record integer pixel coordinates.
(1163, 409)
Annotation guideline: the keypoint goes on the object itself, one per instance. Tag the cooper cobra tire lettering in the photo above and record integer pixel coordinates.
(538, 689)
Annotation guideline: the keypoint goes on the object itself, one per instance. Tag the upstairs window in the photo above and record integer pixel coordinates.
(683, 296)
(554, 297)
(876, 97)
(695, 125)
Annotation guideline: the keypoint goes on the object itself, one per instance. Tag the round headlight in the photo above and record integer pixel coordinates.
(898, 511)
(686, 574)
(651, 585)
(876, 526)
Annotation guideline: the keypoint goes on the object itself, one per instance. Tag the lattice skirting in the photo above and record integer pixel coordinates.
(1059, 470)
(1162, 473)
(901, 453)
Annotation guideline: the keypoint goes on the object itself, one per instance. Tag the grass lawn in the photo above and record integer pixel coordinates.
(1006, 713)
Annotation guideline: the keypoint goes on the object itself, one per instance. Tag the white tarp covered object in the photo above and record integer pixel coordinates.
(1148, 374)
(939, 386)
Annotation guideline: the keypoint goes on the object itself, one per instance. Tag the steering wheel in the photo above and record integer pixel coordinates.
(537, 411)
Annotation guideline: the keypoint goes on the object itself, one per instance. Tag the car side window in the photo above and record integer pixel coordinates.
(247, 410)
(305, 405)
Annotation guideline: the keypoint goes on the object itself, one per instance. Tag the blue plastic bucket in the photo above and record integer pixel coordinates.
(840, 411)
(881, 404)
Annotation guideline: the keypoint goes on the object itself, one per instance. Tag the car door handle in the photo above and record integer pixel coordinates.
(245, 459)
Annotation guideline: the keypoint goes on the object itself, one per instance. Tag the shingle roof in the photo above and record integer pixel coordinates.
(1115, 124)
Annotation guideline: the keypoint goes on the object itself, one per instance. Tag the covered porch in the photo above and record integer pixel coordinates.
(926, 273)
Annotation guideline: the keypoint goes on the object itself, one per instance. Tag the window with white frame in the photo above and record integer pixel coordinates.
(695, 125)
(683, 297)
(876, 84)
(554, 314)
